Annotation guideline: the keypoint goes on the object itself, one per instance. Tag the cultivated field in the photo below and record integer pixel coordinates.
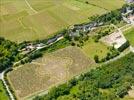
(3, 94)
(48, 71)
(38, 19)
(105, 4)
(129, 34)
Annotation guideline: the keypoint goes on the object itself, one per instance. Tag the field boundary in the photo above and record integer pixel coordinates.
(30, 7)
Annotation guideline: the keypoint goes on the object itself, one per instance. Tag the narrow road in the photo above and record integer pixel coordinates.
(39, 48)
(2, 73)
(126, 27)
(5, 84)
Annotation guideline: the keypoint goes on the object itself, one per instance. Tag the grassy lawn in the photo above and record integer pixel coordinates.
(92, 48)
(3, 95)
(129, 34)
(51, 16)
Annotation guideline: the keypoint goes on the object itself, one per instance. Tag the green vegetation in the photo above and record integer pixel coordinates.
(91, 48)
(113, 17)
(107, 82)
(111, 54)
(47, 71)
(103, 31)
(129, 34)
(3, 93)
(27, 21)
(27, 24)
(49, 49)
(8, 53)
(58, 45)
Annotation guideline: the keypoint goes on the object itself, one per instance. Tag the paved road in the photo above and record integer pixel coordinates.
(5, 84)
(2, 73)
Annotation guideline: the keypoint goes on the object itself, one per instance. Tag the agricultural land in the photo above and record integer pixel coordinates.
(38, 19)
(110, 81)
(48, 71)
(66, 49)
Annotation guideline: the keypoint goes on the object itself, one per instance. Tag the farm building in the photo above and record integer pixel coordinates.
(131, 18)
(128, 15)
(77, 29)
(115, 39)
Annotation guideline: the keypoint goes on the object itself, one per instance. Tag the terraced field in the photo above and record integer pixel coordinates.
(48, 71)
(38, 19)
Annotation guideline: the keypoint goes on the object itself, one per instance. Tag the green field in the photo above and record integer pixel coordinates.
(48, 71)
(3, 94)
(105, 4)
(129, 34)
(92, 48)
(38, 19)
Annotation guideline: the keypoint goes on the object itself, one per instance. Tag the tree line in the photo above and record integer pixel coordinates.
(108, 82)
(8, 53)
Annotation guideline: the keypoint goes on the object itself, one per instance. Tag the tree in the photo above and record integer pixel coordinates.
(86, 2)
(96, 58)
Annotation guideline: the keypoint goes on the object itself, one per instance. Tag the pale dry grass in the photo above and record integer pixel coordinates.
(48, 71)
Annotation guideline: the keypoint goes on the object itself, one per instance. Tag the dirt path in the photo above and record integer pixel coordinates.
(30, 6)
(126, 27)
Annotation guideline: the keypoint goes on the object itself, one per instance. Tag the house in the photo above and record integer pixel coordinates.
(40, 45)
(128, 16)
(59, 35)
(85, 28)
(51, 40)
